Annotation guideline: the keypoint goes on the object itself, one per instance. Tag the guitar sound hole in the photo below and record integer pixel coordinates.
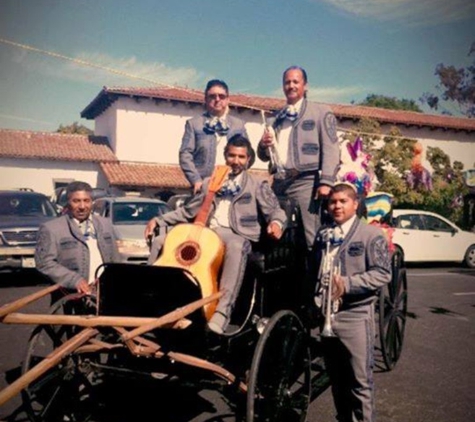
(188, 253)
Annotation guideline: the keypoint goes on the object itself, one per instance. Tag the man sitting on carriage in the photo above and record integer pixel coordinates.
(232, 210)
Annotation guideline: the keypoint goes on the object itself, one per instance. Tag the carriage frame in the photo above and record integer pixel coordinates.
(152, 325)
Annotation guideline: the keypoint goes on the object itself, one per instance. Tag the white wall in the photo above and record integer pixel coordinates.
(151, 133)
(106, 125)
(148, 132)
(40, 174)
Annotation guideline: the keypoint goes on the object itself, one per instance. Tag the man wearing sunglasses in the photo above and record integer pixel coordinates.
(205, 136)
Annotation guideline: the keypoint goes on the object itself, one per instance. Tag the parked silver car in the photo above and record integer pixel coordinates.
(129, 216)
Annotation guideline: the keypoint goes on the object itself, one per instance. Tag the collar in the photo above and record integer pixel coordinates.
(80, 222)
(297, 105)
(346, 226)
(222, 118)
(237, 179)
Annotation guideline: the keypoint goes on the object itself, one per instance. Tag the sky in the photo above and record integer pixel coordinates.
(57, 55)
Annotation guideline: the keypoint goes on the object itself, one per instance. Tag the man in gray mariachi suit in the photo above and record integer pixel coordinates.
(205, 136)
(304, 135)
(361, 252)
(71, 247)
(235, 218)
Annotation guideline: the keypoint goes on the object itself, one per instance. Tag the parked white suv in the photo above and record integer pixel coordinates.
(425, 236)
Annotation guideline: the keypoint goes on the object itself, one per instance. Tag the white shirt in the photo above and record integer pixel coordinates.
(346, 226)
(341, 232)
(95, 258)
(282, 143)
(220, 144)
(220, 218)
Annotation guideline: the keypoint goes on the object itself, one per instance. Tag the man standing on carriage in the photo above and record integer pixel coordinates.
(206, 135)
(235, 216)
(360, 266)
(303, 135)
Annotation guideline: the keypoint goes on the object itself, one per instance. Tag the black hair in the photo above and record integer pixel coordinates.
(78, 186)
(216, 82)
(347, 188)
(304, 73)
(239, 140)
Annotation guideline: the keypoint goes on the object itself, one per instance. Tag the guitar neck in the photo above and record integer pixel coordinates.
(217, 179)
(203, 214)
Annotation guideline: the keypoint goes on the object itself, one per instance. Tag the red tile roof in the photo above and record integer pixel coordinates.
(145, 175)
(54, 146)
(67, 147)
(400, 117)
(151, 175)
(108, 95)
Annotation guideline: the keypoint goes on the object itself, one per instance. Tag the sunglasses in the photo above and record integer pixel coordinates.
(216, 96)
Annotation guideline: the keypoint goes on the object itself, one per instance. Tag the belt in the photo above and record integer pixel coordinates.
(295, 174)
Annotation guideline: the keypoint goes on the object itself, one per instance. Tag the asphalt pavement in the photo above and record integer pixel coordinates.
(433, 381)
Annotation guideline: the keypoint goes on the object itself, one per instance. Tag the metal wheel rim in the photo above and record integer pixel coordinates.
(392, 319)
(287, 399)
(47, 398)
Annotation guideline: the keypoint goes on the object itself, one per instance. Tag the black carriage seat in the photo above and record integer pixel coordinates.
(147, 291)
(269, 255)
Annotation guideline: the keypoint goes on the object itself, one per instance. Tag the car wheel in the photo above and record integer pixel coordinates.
(470, 257)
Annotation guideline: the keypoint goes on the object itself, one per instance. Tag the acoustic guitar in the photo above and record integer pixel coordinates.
(197, 248)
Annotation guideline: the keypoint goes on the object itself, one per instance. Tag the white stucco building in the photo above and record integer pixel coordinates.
(138, 131)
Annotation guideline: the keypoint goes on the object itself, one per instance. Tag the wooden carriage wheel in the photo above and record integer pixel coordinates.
(65, 391)
(392, 309)
(279, 379)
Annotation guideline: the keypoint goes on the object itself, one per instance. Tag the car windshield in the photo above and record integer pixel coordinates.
(26, 206)
(136, 212)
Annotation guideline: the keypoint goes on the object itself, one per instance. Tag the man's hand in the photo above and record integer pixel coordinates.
(84, 287)
(338, 288)
(197, 187)
(268, 138)
(274, 230)
(323, 191)
(150, 229)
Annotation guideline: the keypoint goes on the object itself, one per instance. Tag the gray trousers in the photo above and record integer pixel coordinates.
(234, 266)
(349, 359)
(302, 191)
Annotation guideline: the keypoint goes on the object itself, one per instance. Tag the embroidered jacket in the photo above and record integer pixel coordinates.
(62, 253)
(313, 143)
(254, 198)
(197, 155)
(365, 262)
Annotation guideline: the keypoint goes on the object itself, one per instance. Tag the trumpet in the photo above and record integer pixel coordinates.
(276, 167)
(328, 271)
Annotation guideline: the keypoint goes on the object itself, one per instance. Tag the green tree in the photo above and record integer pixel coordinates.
(392, 103)
(456, 89)
(391, 159)
(75, 128)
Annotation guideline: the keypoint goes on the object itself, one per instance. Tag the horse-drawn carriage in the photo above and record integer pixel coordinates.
(149, 322)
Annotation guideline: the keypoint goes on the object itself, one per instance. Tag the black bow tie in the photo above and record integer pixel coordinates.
(87, 229)
(289, 112)
(338, 236)
(229, 188)
(216, 126)
(334, 235)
